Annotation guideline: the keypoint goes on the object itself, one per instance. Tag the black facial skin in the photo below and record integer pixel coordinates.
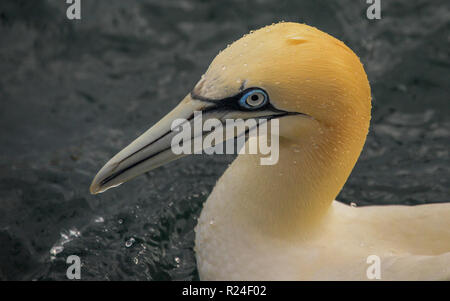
(232, 103)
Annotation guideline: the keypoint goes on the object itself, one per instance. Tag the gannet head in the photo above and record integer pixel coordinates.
(298, 74)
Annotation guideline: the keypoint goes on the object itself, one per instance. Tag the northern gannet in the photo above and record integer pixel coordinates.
(279, 222)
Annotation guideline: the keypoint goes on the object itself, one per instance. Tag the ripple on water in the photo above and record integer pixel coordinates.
(65, 125)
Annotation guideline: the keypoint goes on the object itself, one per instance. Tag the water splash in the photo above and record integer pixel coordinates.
(66, 236)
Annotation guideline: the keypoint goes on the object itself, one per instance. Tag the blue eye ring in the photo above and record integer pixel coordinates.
(254, 99)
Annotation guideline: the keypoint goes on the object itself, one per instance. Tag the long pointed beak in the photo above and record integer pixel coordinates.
(154, 147)
(150, 150)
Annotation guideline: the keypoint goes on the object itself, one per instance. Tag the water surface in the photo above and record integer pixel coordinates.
(73, 93)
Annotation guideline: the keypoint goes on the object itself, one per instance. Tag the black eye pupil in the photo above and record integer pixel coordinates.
(253, 99)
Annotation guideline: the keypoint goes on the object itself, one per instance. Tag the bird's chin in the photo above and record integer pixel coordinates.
(296, 127)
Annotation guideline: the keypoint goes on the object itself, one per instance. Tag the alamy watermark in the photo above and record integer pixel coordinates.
(373, 272)
(374, 9)
(74, 270)
(207, 137)
(73, 12)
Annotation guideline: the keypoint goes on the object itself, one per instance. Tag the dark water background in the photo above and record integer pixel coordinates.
(73, 93)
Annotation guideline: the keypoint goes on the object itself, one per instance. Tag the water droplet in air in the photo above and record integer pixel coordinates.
(130, 242)
(74, 232)
(56, 250)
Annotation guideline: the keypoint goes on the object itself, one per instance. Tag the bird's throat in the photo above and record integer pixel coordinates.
(292, 195)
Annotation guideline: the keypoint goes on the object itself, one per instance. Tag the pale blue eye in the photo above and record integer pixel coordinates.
(253, 99)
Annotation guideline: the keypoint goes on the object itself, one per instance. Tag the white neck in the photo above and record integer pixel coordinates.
(292, 193)
(252, 203)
